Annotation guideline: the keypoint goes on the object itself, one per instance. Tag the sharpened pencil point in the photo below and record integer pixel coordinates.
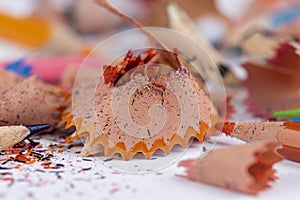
(35, 129)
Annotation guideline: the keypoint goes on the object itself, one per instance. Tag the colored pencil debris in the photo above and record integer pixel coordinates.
(141, 103)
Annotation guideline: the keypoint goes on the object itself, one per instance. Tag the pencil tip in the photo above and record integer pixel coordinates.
(34, 129)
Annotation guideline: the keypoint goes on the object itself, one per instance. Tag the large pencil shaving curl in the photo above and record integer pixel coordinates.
(31, 102)
(245, 168)
(277, 78)
(188, 111)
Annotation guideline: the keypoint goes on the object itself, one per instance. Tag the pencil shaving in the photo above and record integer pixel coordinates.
(111, 129)
(290, 153)
(287, 56)
(230, 109)
(252, 44)
(251, 174)
(30, 102)
(148, 90)
(156, 15)
(69, 75)
(180, 21)
(280, 75)
(73, 114)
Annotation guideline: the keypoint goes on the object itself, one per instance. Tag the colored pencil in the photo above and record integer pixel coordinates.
(10, 135)
(296, 120)
(288, 114)
(285, 133)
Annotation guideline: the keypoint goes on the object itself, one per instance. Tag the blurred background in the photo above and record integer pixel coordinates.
(228, 30)
(81, 23)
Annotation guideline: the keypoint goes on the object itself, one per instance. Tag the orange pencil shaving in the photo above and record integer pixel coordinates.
(38, 33)
(286, 133)
(245, 168)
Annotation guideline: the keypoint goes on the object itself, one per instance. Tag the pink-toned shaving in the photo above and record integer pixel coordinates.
(277, 79)
(245, 168)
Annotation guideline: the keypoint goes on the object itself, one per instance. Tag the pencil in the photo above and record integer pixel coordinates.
(38, 33)
(286, 133)
(296, 120)
(288, 114)
(10, 135)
